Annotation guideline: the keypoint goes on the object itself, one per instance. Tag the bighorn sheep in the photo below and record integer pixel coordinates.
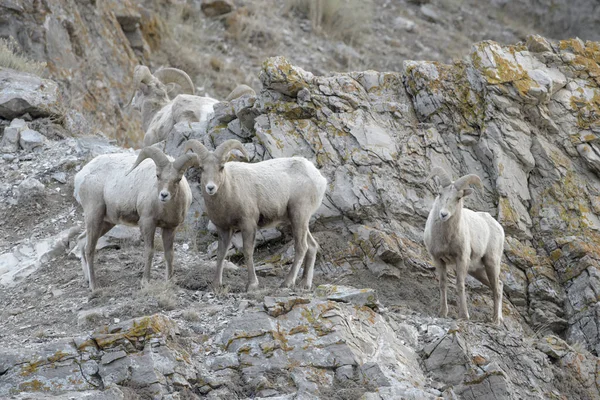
(162, 107)
(122, 189)
(239, 91)
(473, 241)
(249, 196)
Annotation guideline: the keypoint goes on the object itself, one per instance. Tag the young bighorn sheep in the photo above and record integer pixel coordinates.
(163, 106)
(473, 241)
(245, 196)
(125, 189)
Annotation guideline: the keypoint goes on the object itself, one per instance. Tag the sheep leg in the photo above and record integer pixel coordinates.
(224, 242)
(94, 228)
(168, 236)
(442, 273)
(461, 275)
(148, 229)
(248, 238)
(300, 248)
(492, 270)
(309, 262)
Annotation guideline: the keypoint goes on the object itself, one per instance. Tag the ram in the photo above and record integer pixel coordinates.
(124, 189)
(247, 196)
(472, 241)
(161, 104)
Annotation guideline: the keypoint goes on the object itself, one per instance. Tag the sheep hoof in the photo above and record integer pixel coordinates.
(304, 285)
(252, 286)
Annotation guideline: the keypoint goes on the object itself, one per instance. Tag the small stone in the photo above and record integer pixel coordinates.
(214, 8)
(30, 188)
(404, 24)
(12, 133)
(430, 13)
(112, 356)
(30, 139)
(60, 177)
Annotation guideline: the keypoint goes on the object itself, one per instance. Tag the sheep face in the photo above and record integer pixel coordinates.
(212, 175)
(168, 179)
(450, 200)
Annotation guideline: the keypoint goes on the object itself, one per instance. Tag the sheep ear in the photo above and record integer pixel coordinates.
(223, 150)
(185, 161)
(467, 192)
(155, 154)
(196, 147)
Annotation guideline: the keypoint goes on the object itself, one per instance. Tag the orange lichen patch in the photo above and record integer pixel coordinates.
(298, 329)
(279, 335)
(479, 360)
(33, 386)
(59, 355)
(141, 328)
(31, 368)
(371, 316)
(503, 70)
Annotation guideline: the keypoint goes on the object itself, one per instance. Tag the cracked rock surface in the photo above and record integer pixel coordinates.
(523, 117)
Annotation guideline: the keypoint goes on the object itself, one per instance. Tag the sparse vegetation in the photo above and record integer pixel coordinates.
(340, 19)
(163, 292)
(190, 316)
(12, 57)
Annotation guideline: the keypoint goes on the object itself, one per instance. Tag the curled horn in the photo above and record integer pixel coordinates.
(223, 150)
(185, 161)
(174, 75)
(155, 154)
(445, 179)
(196, 147)
(467, 180)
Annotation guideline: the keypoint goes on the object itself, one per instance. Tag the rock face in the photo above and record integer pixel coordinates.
(523, 117)
(87, 53)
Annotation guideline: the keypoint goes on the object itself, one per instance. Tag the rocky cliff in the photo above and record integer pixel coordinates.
(523, 117)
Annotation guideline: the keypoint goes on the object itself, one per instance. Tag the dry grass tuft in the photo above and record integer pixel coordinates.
(190, 316)
(164, 292)
(340, 19)
(12, 57)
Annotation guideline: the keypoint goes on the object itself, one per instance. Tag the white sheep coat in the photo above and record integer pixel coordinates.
(265, 192)
(446, 239)
(128, 197)
(184, 107)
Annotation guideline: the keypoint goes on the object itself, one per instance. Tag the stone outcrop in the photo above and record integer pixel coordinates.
(522, 117)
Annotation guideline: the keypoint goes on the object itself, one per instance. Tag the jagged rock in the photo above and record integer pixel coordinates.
(275, 306)
(22, 93)
(346, 294)
(25, 258)
(263, 343)
(135, 351)
(447, 358)
(11, 136)
(30, 139)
